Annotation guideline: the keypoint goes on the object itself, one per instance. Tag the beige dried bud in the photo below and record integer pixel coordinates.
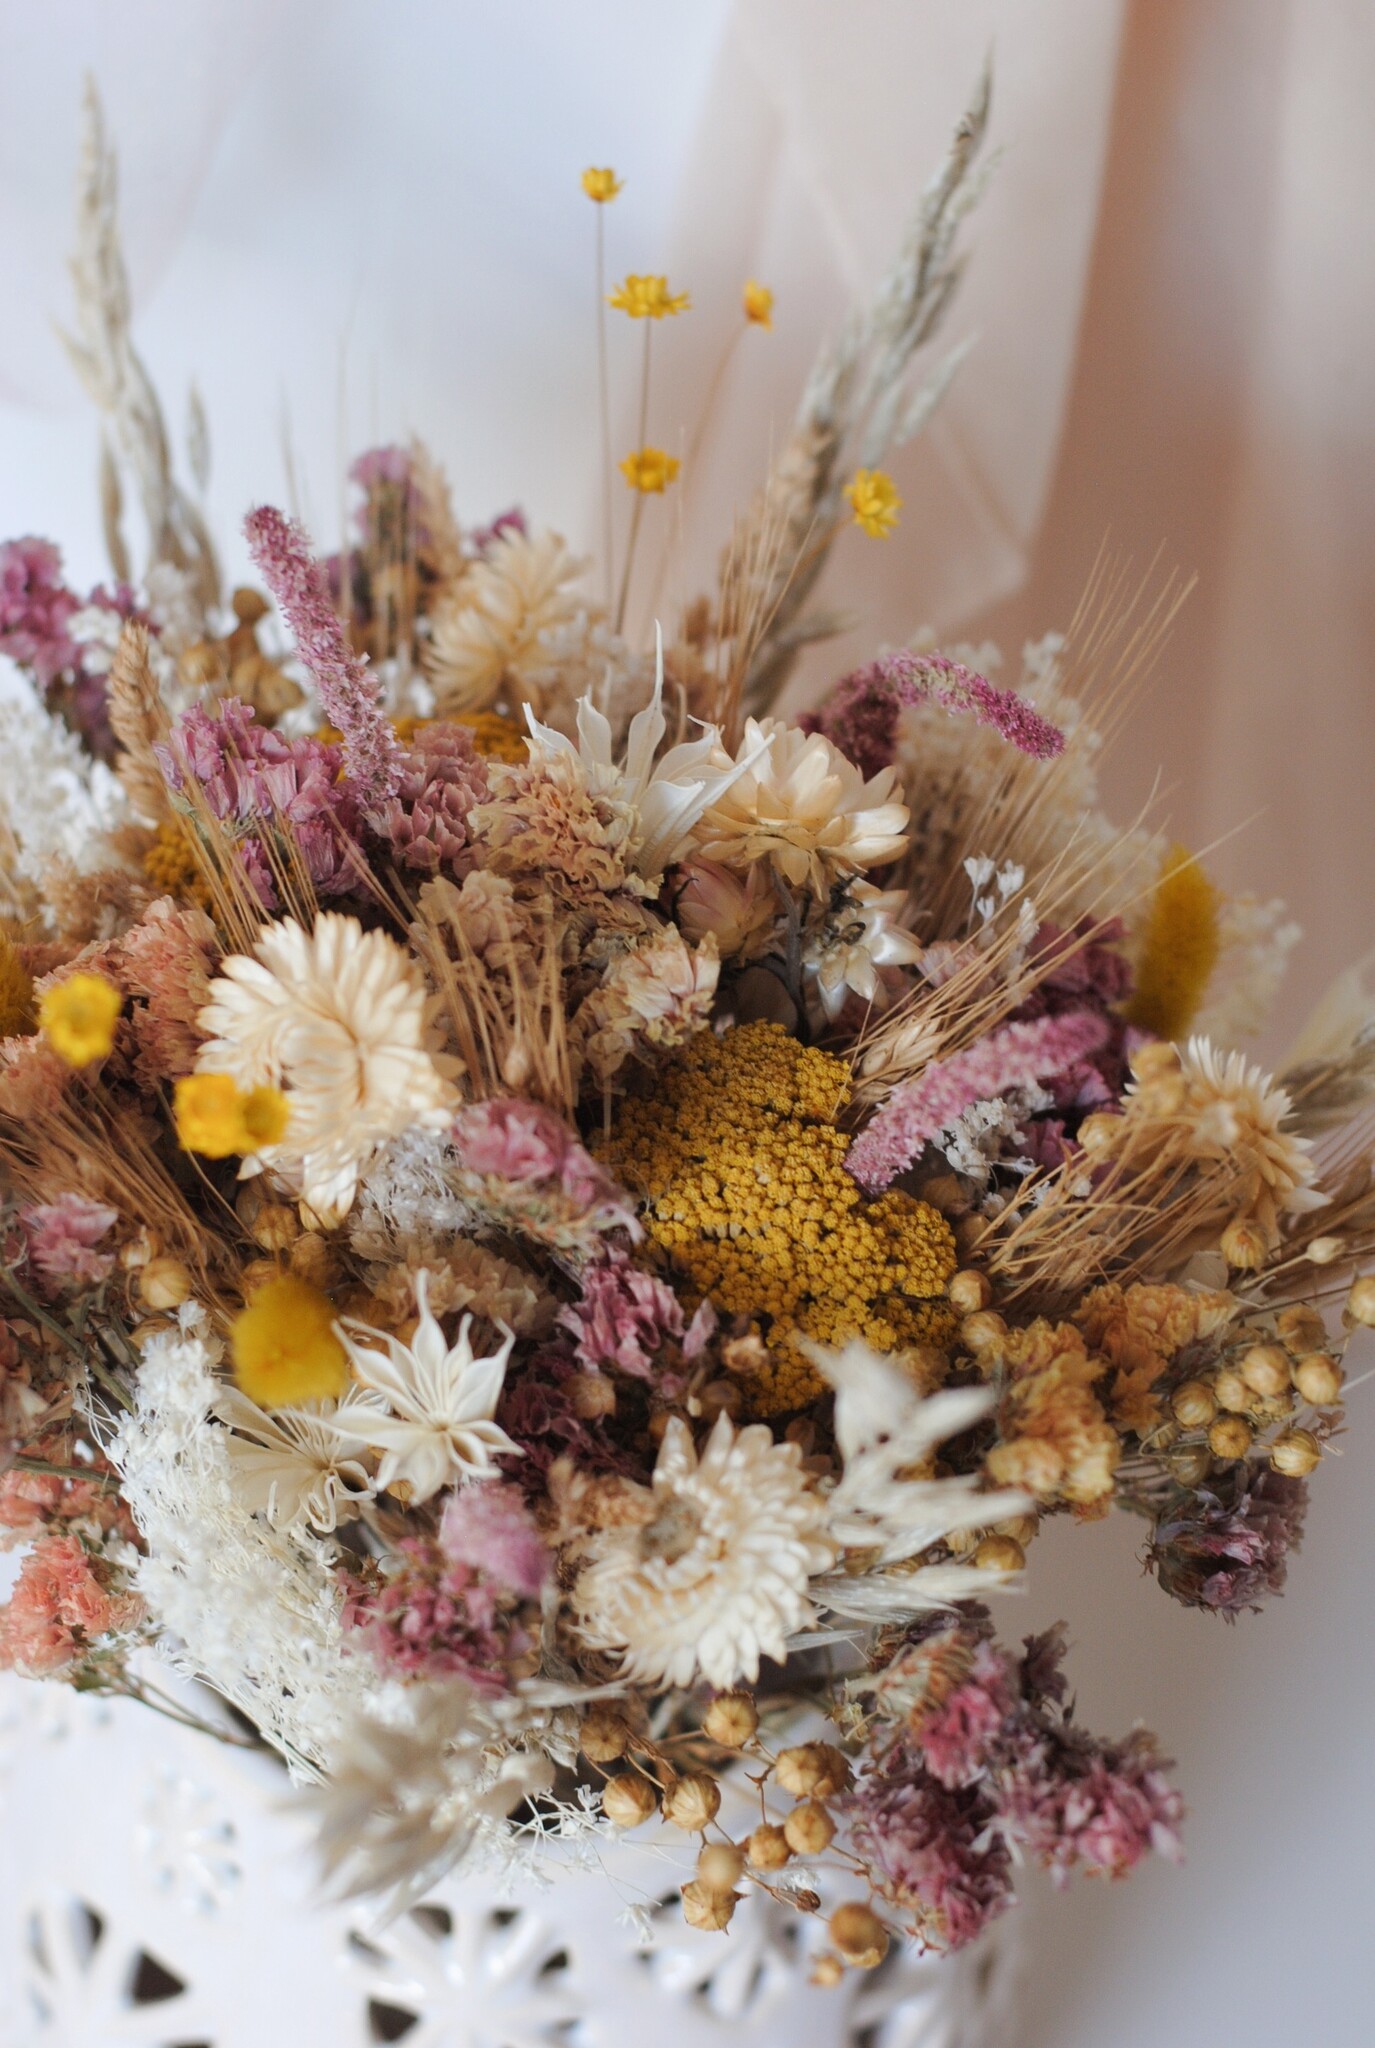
(603, 1736)
(999, 1554)
(593, 1395)
(138, 1251)
(1325, 1251)
(1301, 1327)
(732, 1720)
(1193, 1403)
(970, 1291)
(859, 1934)
(1360, 1303)
(720, 1397)
(1232, 1392)
(720, 1866)
(707, 1909)
(275, 1227)
(812, 1770)
(807, 1902)
(164, 1283)
(1191, 1464)
(827, 1971)
(1244, 1246)
(745, 1354)
(1021, 1528)
(1230, 1437)
(1099, 1132)
(809, 1828)
(692, 1802)
(312, 1259)
(1296, 1453)
(767, 1848)
(1155, 1059)
(983, 1331)
(628, 1800)
(1318, 1378)
(1265, 1369)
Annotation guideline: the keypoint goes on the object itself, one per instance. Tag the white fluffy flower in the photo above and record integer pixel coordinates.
(339, 1017)
(292, 1466)
(801, 805)
(716, 1576)
(439, 1402)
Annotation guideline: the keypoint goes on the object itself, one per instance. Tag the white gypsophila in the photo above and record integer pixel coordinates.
(798, 803)
(406, 1206)
(1255, 939)
(716, 1576)
(886, 1430)
(253, 1611)
(858, 935)
(57, 802)
(339, 1018)
(292, 1466)
(440, 1398)
(980, 1134)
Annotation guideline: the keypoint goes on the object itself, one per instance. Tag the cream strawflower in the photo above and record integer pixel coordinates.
(339, 1018)
(439, 1399)
(490, 630)
(716, 1575)
(804, 807)
(1236, 1114)
(292, 1466)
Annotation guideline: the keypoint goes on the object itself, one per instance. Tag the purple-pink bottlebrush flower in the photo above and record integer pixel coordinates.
(348, 693)
(487, 1526)
(862, 712)
(61, 1238)
(1011, 1057)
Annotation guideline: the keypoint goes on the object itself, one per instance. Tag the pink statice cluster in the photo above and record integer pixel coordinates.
(863, 712)
(986, 1766)
(260, 784)
(628, 1320)
(424, 826)
(1226, 1548)
(520, 1160)
(63, 1238)
(458, 1606)
(60, 1609)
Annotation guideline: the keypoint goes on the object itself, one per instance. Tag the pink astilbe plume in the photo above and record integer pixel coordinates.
(861, 714)
(348, 693)
(919, 1110)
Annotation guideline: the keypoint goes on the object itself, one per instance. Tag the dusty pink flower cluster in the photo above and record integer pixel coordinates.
(520, 1159)
(425, 824)
(628, 1319)
(62, 1239)
(60, 1609)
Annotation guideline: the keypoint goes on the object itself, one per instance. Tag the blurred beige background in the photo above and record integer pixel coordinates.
(348, 223)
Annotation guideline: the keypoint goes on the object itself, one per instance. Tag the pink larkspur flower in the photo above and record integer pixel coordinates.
(62, 1237)
(348, 693)
(1012, 1057)
(861, 715)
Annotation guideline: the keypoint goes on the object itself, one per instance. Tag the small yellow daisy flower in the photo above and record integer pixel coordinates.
(876, 502)
(649, 469)
(78, 1018)
(285, 1348)
(647, 298)
(758, 303)
(601, 185)
(216, 1118)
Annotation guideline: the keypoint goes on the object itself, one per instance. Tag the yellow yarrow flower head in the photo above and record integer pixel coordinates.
(647, 298)
(874, 497)
(285, 1348)
(758, 304)
(78, 1018)
(649, 469)
(601, 185)
(217, 1118)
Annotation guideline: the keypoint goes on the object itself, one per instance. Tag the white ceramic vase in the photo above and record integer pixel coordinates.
(154, 1889)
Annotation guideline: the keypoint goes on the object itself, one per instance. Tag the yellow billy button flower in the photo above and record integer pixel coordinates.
(285, 1348)
(216, 1118)
(78, 1018)
(874, 498)
(649, 469)
(601, 185)
(647, 298)
(758, 304)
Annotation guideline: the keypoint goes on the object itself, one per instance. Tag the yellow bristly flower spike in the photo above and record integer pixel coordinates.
(875, 501)
(649, 469)
(78, 1018)
(647, 298)
(217, 1118)
(758, 303)
(285, 1348)
(1179, 948)
(602, 186)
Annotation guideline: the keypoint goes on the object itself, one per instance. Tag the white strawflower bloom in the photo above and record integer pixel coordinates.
(858, 934)
(804, 807)
(56, 802)
(716, 1576)
(439, 1399)
(492, 629)
(339, 1017)
(1236, 1112)
(292, 1466)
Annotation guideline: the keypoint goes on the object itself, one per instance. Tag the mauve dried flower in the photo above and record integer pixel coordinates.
(487, 1525)
(1229, 1550)
(862, 713)
(437, 1617)
(425, 824)
(519, 1160)
(36, 609)
(61, 1238)
(623, 1317)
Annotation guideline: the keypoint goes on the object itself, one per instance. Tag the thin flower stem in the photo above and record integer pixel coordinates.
(85, 1353)
(694, 449)
(158, 1701)
(638, 511)
(604, 397)
(45, 1465)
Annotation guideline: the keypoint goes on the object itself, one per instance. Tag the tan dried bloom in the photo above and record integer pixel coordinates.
(1057, 1441)
(805, 809)
(489, 630)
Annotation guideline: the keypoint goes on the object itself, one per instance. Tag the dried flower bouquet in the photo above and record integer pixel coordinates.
(557, 1219)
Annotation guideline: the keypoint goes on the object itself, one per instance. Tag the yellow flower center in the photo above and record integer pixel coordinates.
(758, 303)
(647, 298)
(649, 469)
(875, 501)
(216, 1118)
(284, 1346)
(78, 1018)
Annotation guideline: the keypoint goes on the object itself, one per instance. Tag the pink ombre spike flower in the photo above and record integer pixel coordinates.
(861, 714)
(348, 693)
(1013, 1057)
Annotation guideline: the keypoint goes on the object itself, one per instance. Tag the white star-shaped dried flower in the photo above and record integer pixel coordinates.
(858, 934)
(294, 1465)
(440, 1398)
(716, 1576)
(339, 1018)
